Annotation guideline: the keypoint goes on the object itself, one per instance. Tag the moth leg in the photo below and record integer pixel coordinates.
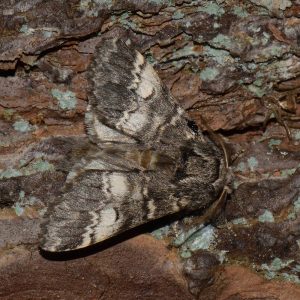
(218, 140)
(273, 106)
(227, 158)
(210, 214)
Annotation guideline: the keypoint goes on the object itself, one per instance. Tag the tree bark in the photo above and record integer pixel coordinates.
(234, 64)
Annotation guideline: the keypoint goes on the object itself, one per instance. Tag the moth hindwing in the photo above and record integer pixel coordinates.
(147, 164)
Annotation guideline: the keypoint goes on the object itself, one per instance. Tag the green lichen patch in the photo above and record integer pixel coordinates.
(184, 235)
(258, 82)
(273, 269)
(277, 264)
(280, 69)
(24, 202)
(252, 163)
(266, 38)
(32, 200)
(287, 172)
(216, 25)
(127, 22)
(107, 3)
(66, 100)
(272, 51)
(291, 277)
(202, 239)
(297, 205)
(19, 210)
(161, 233)
(42, 166)
(272, 5)
(27, 200)
(22, 126)
(177, 15)
(256, 90)
(240, 221)
(240, 12)
(242, 167)
(160, 2)
(21, 195)
(222, 41)
(38, 165)
(9, 173)
(266, 217)
(91, 8)
(26, 30)
(47, 33)
(212, 8)
(254, 28)
(292, 216)
(149, 57)
(222, 255)
(296, 135)
(185, 253)
(199, 38)
(209, 74)
(222, 57)
(274, 142)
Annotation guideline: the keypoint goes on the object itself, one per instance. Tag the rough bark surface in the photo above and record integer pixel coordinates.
(235, 63)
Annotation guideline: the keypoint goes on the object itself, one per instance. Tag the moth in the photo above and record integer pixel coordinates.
(148, 162)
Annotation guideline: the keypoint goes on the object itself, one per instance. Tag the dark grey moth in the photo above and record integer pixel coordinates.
(148, 162)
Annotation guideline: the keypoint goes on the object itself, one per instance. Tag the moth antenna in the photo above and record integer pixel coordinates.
(218, 140)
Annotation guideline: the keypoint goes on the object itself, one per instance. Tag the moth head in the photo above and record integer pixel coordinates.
(198, 174)
(201, 159)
